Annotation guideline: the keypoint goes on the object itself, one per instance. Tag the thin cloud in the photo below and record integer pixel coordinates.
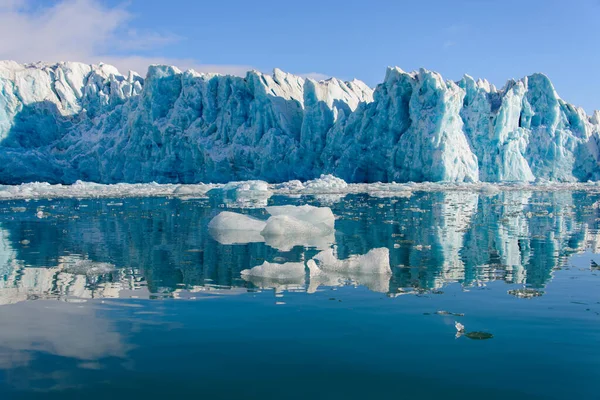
(87, 31)
(317, 76)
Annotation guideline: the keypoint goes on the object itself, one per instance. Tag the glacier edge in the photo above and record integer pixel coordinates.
(65, 122)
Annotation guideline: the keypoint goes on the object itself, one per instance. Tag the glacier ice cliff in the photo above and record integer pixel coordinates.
(65, 122)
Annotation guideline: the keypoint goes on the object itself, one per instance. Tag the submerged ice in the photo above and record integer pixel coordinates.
(64, 122)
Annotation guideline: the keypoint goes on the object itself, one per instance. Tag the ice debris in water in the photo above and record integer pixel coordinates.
(305, 225)
(287, 227)
(477, 335)
(246, 194)
(231, 228)
(459, 327)
(254, 195)
(320, 217)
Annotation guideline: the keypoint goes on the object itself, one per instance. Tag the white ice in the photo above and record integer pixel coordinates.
(234, 228)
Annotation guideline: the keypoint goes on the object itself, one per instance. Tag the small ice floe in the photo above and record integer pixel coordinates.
(288, 226)
(459, 327)
(244, 194)
(443, 312)
(461, 331)
(305, 225)
(40, 214)
(233, 228)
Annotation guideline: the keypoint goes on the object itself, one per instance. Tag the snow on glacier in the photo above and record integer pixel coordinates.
(65, 122)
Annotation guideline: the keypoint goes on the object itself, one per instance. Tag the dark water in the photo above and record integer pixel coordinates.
(165, 313)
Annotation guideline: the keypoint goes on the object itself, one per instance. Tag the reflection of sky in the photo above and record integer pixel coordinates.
(56, 328)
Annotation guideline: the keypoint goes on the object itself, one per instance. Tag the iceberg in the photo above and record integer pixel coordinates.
(233, 228)
(67, 122)
(246, 194)
(288, 226)
(305, 225)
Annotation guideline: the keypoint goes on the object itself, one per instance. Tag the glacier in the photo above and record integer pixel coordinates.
(68, 122)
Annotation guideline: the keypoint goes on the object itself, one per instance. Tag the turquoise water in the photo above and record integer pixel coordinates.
(162, 311)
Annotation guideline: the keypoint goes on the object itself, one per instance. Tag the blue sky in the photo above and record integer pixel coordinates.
(349, 39)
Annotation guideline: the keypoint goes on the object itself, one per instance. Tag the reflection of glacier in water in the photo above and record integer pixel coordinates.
(159, 247)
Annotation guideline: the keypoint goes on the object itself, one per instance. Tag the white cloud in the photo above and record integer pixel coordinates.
(86, 31)
(317, 76)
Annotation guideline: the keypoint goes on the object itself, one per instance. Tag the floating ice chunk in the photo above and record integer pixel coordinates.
(325, 182)
(306, 226)
(246, 188)
(233, 228)
(382, 194)
(257, 199)
(278, 276)
(245, 194)
(320, 217)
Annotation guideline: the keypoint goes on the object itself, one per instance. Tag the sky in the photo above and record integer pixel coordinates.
(492, 39)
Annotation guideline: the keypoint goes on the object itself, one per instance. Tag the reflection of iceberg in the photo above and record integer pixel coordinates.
(371, 270)
(434, 237)
(376, 261)
(7, 255)
(455, 212)
(82, 266)
(230, 228)
(277, 276)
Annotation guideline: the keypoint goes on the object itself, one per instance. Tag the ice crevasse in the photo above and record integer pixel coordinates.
(64, 122)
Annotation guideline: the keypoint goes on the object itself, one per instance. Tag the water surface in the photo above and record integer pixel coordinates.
(135, 298)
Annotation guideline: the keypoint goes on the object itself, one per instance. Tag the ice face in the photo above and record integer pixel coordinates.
(64, 122)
